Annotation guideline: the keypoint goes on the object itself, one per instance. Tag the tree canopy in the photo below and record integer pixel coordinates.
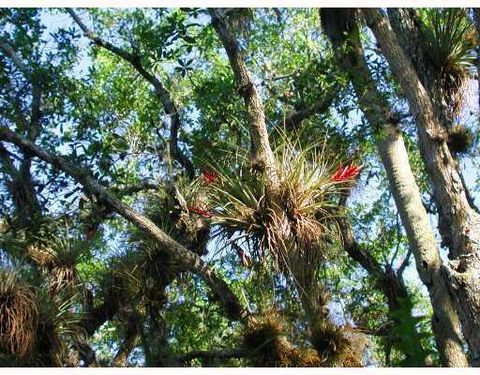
(239, 187)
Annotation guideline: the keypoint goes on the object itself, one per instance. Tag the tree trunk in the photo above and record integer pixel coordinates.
(463, 224)
(132, 331)
(476, 21)
(405, 191)
(406, 24)
(261, 152)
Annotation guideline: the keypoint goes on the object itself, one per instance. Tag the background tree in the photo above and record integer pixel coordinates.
(213, 187)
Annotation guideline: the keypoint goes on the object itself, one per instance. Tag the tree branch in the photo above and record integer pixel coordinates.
(386, 280)
(6, 162)
(211, 354)
(354, 249)
(95, 317)
(23, 188)
(36, 113)
(187, 259)
(405, 262)
(128, 344)
(36, 81)
(87, 354)
(134, 188)
(165, 97)
(469, 196)
(455, 214)
(261, 152)
(9, 51)
(99, 41)
(294, 119)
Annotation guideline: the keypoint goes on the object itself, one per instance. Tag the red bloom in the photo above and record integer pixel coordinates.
(346, 173)
(209, 177)
(204, 213)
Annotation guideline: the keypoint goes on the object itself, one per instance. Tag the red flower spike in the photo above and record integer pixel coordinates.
(346, 173)
(204, 213)
(209, 177)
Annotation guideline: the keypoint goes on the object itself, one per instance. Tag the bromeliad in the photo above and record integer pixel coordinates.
(204, 213)
(347, 173)
(209, 177)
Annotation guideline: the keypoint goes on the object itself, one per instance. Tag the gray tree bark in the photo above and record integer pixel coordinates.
(261, 152)
(405, 191)
(462, 272)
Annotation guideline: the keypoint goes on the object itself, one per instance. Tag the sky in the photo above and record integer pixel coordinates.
(361, 193)
(58, 19)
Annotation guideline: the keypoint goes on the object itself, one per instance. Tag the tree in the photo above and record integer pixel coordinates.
(459, 217)
(402, 183)
(221, 187)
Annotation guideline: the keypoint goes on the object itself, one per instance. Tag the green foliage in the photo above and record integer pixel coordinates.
(71, 288)
(406, 332)
(449, 36)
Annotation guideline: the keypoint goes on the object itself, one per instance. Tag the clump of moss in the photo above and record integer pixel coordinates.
(264, 338)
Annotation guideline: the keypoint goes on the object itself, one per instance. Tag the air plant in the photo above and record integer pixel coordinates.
(265, 338)
(53, 249)
(449, 40)
(59, 327)
(140, 279)
(338, 346)
(180, 209)
(297, 228)
(300, 221)
(18, 315)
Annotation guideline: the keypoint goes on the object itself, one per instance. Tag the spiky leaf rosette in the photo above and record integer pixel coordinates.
(266, 340)
(338, 346)
(54, 249)
(238, 198)
(59, 328)
(450, 42)
(308, 188)
(18, 315)
(300, 222)
(180, 209)
(138, 280)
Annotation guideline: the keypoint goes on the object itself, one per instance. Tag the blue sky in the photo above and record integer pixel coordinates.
(361, 194)
(58, 19)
